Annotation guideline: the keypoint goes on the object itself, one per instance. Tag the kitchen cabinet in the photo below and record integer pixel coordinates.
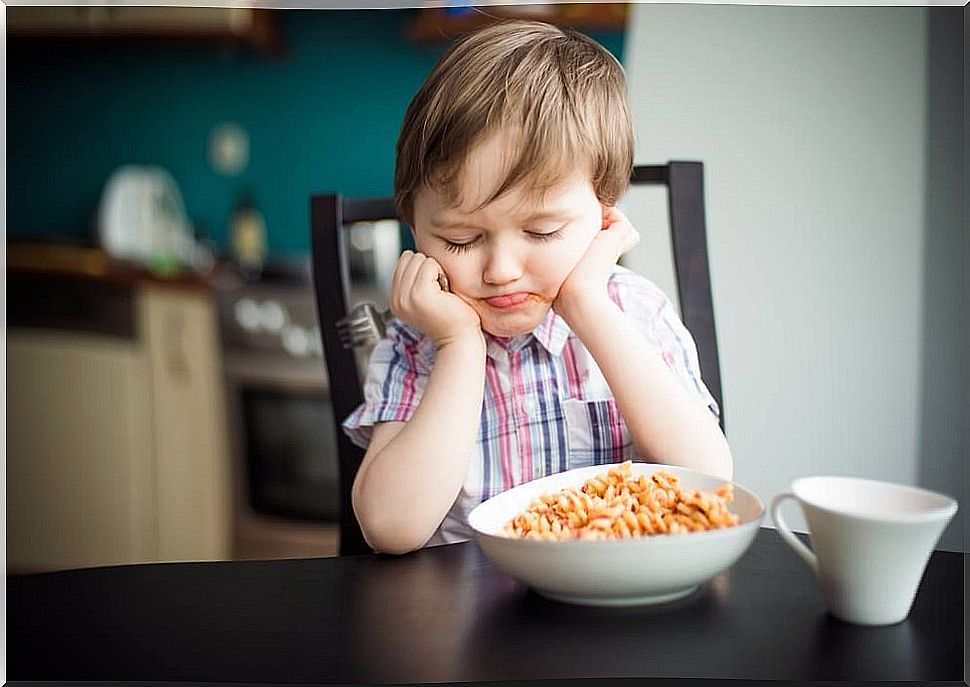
(257, 29)
(440, 24)
(117, 449)
(181, 343)
(80, 465)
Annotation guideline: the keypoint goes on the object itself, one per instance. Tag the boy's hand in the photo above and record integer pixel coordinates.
(419, 300)
(586, 284)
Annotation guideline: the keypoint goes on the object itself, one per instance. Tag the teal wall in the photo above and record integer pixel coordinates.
(323, 118)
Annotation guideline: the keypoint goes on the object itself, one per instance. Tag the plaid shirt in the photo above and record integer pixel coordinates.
(547, 407)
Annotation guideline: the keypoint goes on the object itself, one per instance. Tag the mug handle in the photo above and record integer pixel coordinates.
(786, 533)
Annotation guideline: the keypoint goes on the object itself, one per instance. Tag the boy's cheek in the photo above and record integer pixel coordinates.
(559, 269)
(458, 275)
(419, 242)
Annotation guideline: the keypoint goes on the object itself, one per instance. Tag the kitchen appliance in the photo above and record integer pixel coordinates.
(142, 218)
(282, 435)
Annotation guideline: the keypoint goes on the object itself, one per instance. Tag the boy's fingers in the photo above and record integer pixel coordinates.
(396, 279)
(619, 215)
(620, 238)
(632, 239)
(411, 271)
(623, 233)
(399, 268)
(427, 275)
(439, 277)
(408, 268)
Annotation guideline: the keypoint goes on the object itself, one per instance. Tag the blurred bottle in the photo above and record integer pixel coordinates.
(248, 236)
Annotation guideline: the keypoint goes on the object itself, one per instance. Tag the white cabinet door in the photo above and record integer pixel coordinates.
(80, 476)
(190, 444)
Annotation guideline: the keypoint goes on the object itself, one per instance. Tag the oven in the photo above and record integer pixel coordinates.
(282, 433)
(286, 499)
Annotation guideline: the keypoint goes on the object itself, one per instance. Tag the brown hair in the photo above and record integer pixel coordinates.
(559, 94)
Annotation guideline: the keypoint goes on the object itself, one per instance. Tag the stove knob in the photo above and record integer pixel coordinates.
(272, 316)
(295, 340)
(247, 314)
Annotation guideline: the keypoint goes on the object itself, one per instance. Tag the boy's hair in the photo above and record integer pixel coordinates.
(559, 95)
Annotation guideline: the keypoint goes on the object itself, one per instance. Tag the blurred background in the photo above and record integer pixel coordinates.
(166, 392)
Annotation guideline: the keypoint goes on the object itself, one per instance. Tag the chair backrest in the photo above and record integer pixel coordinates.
(330, 214)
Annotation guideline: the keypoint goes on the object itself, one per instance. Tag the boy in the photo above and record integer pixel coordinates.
(543, 355)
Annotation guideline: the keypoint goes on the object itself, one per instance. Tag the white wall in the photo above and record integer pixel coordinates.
(811, 124)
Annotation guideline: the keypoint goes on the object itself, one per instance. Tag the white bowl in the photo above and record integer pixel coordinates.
(614, 572)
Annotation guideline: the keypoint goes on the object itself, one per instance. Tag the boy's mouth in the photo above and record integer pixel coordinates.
(513, 300)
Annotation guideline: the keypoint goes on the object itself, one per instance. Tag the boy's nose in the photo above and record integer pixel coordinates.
(502, 267)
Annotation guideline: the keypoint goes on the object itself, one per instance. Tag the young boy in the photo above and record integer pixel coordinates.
(543, 355)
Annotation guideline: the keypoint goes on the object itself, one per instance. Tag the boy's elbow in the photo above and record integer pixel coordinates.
(397, 548)
(387, 533)
(393, 541)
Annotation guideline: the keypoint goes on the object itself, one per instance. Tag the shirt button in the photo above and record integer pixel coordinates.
(529, 405)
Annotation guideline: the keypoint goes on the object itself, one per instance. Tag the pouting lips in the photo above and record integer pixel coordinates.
(510, 300)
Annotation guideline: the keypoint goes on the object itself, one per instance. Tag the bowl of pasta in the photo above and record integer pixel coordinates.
(618, 535)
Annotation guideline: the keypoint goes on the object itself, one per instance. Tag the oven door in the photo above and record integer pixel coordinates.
(290, 445)
(284, 439)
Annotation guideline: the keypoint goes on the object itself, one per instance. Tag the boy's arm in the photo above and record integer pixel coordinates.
(667, 422)
(412, 471)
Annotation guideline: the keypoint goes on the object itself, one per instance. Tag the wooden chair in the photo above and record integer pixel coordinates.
(330, 214)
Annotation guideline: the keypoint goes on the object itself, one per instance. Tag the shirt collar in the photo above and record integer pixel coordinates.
(552, 332)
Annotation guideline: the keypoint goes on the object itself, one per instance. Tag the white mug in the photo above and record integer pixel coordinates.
(871, 542)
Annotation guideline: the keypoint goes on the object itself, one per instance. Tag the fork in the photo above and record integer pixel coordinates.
(366, 323)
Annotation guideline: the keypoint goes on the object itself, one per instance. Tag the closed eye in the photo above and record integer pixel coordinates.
(545, 235)
(460, 246)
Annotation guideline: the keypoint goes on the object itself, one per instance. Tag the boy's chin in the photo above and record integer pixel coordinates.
(507, 327)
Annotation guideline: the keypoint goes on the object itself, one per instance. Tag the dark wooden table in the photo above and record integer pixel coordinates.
(445, 614)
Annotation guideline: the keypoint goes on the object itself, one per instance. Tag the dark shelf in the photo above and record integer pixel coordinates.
(443, 23)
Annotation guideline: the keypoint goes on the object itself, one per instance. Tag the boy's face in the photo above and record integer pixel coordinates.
(509, 258)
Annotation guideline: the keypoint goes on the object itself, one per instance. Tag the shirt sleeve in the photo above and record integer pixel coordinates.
(397, 374)
(658, 320)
